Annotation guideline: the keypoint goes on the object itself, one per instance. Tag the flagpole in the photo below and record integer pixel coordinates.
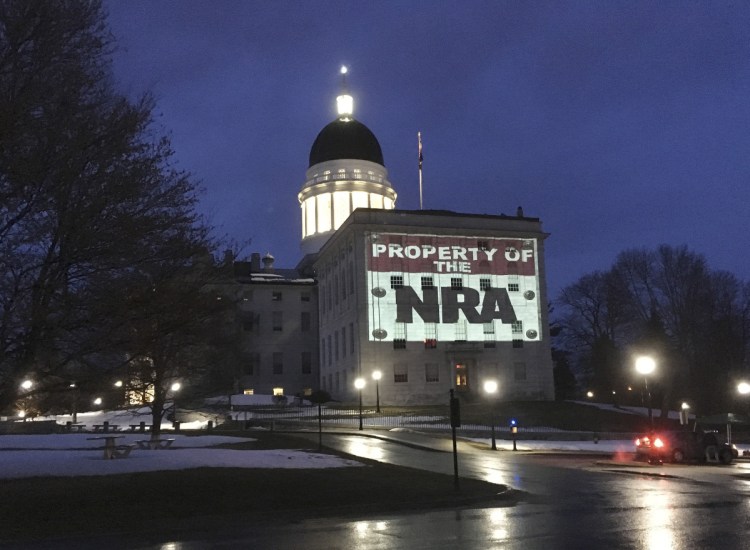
(419, 141)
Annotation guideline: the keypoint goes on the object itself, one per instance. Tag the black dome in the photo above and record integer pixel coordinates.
(346, 139)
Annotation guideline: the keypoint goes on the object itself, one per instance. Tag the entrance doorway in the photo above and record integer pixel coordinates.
(462, 377)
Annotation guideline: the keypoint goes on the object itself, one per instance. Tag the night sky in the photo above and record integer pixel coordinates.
(619, 124)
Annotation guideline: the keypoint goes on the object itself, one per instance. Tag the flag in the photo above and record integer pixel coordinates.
(419, 138)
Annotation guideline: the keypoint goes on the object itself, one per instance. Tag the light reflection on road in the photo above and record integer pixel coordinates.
(657, 518)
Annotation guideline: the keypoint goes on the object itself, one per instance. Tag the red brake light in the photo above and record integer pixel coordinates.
(658, 443)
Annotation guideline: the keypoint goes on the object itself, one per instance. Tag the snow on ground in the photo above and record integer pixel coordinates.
(75, 455)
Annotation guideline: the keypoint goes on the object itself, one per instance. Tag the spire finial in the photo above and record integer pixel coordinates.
(344, 102)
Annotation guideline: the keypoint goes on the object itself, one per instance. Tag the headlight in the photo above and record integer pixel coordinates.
(658, 443)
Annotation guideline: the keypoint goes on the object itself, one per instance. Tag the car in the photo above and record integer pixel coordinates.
(684, 446)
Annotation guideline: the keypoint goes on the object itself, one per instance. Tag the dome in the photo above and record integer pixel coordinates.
(346, 139)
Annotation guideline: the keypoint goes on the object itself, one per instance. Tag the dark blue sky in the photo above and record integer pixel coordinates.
(619, 124)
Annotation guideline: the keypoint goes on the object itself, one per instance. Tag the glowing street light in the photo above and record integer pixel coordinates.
(27, 384)
(118, 384)
(490, 388)
(589, 394)
(646, 365)
(359, 383)
(377, 375)
(175, 387)
(98, 401)
(743, 388)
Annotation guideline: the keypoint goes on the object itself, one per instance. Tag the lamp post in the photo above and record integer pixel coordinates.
(645, 365)
(490, 388)
(175, 387)
(359, 383)
(743, 388)
(377, 375)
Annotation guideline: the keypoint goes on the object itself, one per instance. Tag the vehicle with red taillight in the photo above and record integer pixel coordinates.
(684, 446)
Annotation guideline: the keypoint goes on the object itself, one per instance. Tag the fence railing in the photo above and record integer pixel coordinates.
(307, 417)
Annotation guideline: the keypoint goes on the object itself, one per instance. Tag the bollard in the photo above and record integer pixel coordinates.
(210, 425)
(142, 427)
(176, 425)
(106, 426)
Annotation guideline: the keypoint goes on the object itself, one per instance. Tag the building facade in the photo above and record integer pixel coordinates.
(277, 319)
(434, 301)
(430, 301)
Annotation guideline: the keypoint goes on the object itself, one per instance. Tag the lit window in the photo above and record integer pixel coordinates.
(249, 391)
(278, 391)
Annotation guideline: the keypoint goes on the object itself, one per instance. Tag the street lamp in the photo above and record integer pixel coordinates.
(490, 388)
(359, 383)
(377, 375)
(175, 387)
(743, 388)
(645, 365)
(26, 384)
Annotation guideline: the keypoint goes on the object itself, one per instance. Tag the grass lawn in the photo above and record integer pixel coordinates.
(40, 508)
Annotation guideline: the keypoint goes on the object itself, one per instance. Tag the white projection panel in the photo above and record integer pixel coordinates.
(424, 286)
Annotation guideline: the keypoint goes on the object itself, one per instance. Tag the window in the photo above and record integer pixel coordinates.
(322, 351)
(336, 345)
(484, 284)
(330, 351)
(343, 341)
(431, 372)
(513, 281)
(427, 282)
(460, 331)
(430, 335)
(252, 367)
(249, 321)
(322, 298)
(351, 338)
(336, 289)
(278, 362)
(351, 277)
(278, 391)
(277, 321)
(483, 245)
(519, 371)
(276, 296)
(517, 327)
(304, 322)
(517, 343)
(399, 336)
(400, 373)
(489, 334)
(247, 295)
(306, 362)
(397, 281)
(337, 381)
(248, 391)
(304, 297)
(457, 283)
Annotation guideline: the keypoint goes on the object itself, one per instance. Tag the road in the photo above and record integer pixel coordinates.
(569, 502)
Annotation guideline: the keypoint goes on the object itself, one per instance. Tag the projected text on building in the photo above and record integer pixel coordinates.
(452, 288)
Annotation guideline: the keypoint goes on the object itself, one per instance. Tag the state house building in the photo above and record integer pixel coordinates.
(430, 300)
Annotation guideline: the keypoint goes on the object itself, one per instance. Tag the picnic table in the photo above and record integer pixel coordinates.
(140, 427)
(155, 444)
(111, 449)
(106, 427)
(75, 427)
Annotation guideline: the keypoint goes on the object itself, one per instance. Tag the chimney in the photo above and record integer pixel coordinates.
(268, 263)
(254, 262)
